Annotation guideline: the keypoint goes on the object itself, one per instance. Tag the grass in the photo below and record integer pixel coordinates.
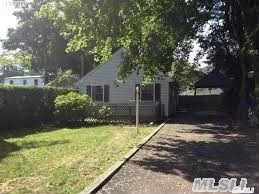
(64, 160)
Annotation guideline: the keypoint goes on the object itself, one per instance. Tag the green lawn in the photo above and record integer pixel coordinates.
(64, 160)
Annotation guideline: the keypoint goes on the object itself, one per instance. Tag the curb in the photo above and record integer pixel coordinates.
(106, 176)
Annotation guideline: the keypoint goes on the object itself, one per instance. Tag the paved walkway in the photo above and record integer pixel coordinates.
(184, 149)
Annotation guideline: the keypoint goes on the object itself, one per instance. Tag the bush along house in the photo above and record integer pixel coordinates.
(157, 98)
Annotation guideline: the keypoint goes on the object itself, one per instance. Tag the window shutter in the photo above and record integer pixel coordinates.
(88, 91)
(106, 93)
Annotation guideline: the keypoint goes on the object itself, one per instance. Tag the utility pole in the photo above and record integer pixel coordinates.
(243, 93)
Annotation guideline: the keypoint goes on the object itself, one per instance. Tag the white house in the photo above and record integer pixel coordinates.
(101, 86)
(29, 80)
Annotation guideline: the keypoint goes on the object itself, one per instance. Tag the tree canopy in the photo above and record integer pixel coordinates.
(155, 33)
(64, 79)
(41, 40)
(232, 44)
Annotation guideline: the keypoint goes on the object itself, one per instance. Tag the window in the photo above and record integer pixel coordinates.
(36, 82)
(24, 82)
(147, 92)
(11, 82)
(97, 93)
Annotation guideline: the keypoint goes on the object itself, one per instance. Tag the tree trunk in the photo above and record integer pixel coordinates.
(243, 103)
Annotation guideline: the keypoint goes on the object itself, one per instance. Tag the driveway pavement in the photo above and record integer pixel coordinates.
(186, 148)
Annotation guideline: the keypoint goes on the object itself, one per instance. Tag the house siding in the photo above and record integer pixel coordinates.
(106, 74)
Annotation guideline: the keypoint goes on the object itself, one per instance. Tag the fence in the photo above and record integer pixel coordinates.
(127, 112)
(201, 103)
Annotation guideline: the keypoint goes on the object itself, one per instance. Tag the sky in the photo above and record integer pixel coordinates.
(7, 19)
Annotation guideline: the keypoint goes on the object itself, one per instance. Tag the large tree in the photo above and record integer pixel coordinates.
(155, 33)
(41, 39)
(232, 44)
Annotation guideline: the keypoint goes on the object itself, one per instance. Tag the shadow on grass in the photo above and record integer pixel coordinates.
(21, 132)
(37, 144)
(7, 148)
(228, 154)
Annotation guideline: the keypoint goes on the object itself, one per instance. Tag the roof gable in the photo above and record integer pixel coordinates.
(113, 63)
(107, 72)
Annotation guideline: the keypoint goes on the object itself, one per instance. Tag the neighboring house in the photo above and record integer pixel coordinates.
(208, 95)
(29, 80)
(10, 70)
(202, 91)
(157, 99)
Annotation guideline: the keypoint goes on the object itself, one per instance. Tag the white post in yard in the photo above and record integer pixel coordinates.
(137, 107)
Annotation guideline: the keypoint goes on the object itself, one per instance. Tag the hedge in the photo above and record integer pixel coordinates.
(27, 106)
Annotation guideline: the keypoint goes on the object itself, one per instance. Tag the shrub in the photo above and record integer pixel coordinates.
(27, 106)
(72, 107)
(102, 112)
